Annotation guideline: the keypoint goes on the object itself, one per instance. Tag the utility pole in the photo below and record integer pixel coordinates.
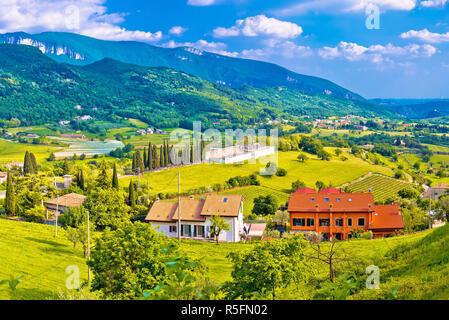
(57, 209)
(148, 191)
(179, 205)
(88, 246)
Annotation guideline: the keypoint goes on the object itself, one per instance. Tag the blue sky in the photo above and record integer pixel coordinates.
(406, 57)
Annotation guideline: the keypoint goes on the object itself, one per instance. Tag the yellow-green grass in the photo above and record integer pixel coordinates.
(335, 172)
(382, 187)
(31, 250)
(138, 123)
(13, 151)
(250, 193)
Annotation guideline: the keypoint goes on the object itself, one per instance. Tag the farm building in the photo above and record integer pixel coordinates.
(73, 136)
(195, 217)
(436, 191)
(335, 214)
(62, 204)
(3, 177)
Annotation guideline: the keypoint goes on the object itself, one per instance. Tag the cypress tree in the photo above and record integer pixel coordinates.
(155, 158)
(134, 166)
(191, 154)
(150, 157)
(139, 162)
(167, 155)
(65, 167)
(131, 194)
(162, 157)
(115, 177)
(33, 163)
(10, 200)
(145, 158)
(81, 182)
(27, 166)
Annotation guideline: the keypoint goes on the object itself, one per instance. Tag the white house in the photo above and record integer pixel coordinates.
(195, 217)
(3, 177)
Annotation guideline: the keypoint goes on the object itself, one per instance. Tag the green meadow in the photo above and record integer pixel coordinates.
(415, 265)
(14, 151)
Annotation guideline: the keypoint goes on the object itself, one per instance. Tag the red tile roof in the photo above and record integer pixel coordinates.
(330, 191)
(344, 202)
(387, 217)
(306, 191)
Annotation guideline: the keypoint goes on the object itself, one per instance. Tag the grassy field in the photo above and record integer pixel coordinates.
(382, 187)
(12, 151)
(416, 265)
(31, 250)
(335, 172)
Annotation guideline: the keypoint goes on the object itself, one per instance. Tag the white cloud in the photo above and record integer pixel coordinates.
(341, 6)
(426, 36)
(214, 47)
(377, 54)
(86, 17)
(201, 3)
(258, 26)
(177, 30)
(434, 3)
(278, 48)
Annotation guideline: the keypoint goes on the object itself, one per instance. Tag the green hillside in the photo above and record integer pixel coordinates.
(413, 266)
(36, 89)
(231, 72)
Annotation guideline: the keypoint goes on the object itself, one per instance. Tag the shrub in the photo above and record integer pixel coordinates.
(281, 172)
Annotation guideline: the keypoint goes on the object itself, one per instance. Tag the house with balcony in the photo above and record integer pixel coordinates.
(195, 217)
(334, 214)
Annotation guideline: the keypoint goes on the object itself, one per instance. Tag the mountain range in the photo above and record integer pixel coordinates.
(36, 89)
(231, 72)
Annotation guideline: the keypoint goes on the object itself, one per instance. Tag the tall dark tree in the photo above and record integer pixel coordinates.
(27, 164)
(132, 194)
(115, 184)
(140, 168)
(10, 200)
(162, 157)
(33, 163)
(145, 158)
(65, 167)
(80, 181)
(103, 180)
(150, 157)
(155, 158)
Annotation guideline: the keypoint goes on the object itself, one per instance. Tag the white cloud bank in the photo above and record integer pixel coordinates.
(375, 53)
(86, 17)
(201, 3)
(426, 36)
(260, 26)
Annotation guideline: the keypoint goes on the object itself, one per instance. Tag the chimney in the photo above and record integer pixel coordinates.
(67, 181)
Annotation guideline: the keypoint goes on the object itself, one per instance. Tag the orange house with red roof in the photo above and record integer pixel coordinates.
(334, 214)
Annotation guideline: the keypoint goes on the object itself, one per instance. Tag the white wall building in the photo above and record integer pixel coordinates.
(195, 217)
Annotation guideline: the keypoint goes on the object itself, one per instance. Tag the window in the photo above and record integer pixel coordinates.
(324, 222)
(225, 199)
(200, 231)
(338, 199)
(326, 199)
(185, 230)
(310, 222)
(312, 199)
(172, 228)
(361, 222)
(350, 199)
(299, 222)
(338, 236)
(349, 222)
(339, 222)
(349, 235)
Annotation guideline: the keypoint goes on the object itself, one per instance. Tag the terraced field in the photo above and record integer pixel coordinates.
(381, 186)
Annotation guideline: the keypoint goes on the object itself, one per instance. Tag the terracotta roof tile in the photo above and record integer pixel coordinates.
(387, 217)
(344, 202)
(306, 190)
(330, 191)
(70, 200)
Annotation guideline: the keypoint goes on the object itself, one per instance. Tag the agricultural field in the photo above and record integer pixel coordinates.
(382, 187)
(335, 172)
(14, 151)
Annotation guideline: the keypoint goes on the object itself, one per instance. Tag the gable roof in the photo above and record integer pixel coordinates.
(70, 200)
(196, 209)
(320, 202)
(387, 217)
(226, 205)
(441, 186)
